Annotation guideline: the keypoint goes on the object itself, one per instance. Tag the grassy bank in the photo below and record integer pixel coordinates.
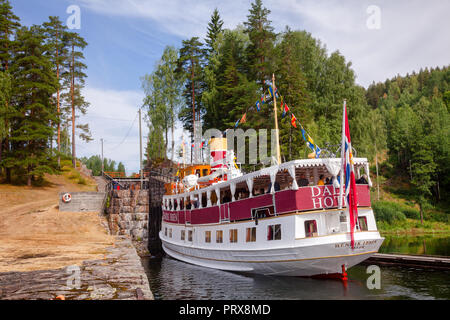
(399, 218)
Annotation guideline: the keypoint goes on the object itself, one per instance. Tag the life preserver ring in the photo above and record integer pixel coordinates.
(66, 197)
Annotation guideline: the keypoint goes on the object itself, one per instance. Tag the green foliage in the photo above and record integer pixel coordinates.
(162, 100)
(388, 212)
(94, 163)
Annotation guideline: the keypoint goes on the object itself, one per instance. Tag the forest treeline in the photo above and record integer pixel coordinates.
(403, 122)
(42, 74)
(94, 163)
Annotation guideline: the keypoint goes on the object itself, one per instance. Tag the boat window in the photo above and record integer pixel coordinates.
(311, 228)
(204, 200)
(274, 232)
(233, 236)
(205, 172)
(183, 235)
(362, 221)
(170, 205)
(251, 234)
(208, 236)
(213, 198)
(190, 235)
(226, 196)
(165, 232)
(181, 204)
(219, 236)
(170, 232)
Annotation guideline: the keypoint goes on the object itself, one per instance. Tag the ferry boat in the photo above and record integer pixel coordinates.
(280, 220)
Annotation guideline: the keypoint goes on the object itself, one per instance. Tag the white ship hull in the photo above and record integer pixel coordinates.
(297, 257)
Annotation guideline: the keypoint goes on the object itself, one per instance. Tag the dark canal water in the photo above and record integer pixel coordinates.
(175, 280)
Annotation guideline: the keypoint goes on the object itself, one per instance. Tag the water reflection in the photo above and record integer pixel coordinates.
(175, 280)
(424, 244)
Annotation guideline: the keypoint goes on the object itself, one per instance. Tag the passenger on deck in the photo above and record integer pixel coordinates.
(328, 181)
(321, 182)
(195, 202)
(226, 198)
(362, 180)
(302, 182)
(188, 205)
(277, 187)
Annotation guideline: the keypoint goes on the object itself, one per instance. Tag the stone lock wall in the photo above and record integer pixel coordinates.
(128, 213)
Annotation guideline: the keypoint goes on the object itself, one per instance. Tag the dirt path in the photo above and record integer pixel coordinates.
(34, 235)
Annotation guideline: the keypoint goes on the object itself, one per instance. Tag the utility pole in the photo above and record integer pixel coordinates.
(140, 148)
(103, 166)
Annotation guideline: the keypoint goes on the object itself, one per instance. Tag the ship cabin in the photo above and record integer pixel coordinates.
(295, 187)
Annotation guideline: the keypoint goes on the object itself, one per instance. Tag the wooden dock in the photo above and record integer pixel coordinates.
(420, 261)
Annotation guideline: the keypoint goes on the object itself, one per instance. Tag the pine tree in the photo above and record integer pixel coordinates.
(258, 26)
(190, 68)
(74, 79)
(34, 83)
(56, 33)
(5, 96)
(9, 23)
(214, 29)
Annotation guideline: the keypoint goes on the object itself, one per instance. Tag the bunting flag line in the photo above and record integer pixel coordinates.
(284, 109)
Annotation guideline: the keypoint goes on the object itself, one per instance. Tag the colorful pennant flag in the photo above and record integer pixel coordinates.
(285, 110)
(237, 123)
(293, 120)
(258, 106)
(303, 133)
(244, 118)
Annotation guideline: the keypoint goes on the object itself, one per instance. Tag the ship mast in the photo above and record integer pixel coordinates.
(277, 137)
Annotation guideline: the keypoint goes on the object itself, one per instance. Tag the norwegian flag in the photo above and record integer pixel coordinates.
(349, 174)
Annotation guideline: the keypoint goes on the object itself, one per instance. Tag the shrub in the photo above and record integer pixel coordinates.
(82, 180)
(388, 212)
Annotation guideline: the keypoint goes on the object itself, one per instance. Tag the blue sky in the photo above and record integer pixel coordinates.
(127, 37)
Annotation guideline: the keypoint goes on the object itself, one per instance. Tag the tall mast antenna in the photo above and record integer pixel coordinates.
(277, 137)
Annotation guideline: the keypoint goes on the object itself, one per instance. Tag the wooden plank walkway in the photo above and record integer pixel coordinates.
(422, 261)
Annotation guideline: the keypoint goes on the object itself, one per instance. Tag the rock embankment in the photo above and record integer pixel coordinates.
(120, 276)
(127, 213)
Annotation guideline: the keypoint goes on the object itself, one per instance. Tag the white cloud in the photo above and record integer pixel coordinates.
(412, 34)
(111, 116)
